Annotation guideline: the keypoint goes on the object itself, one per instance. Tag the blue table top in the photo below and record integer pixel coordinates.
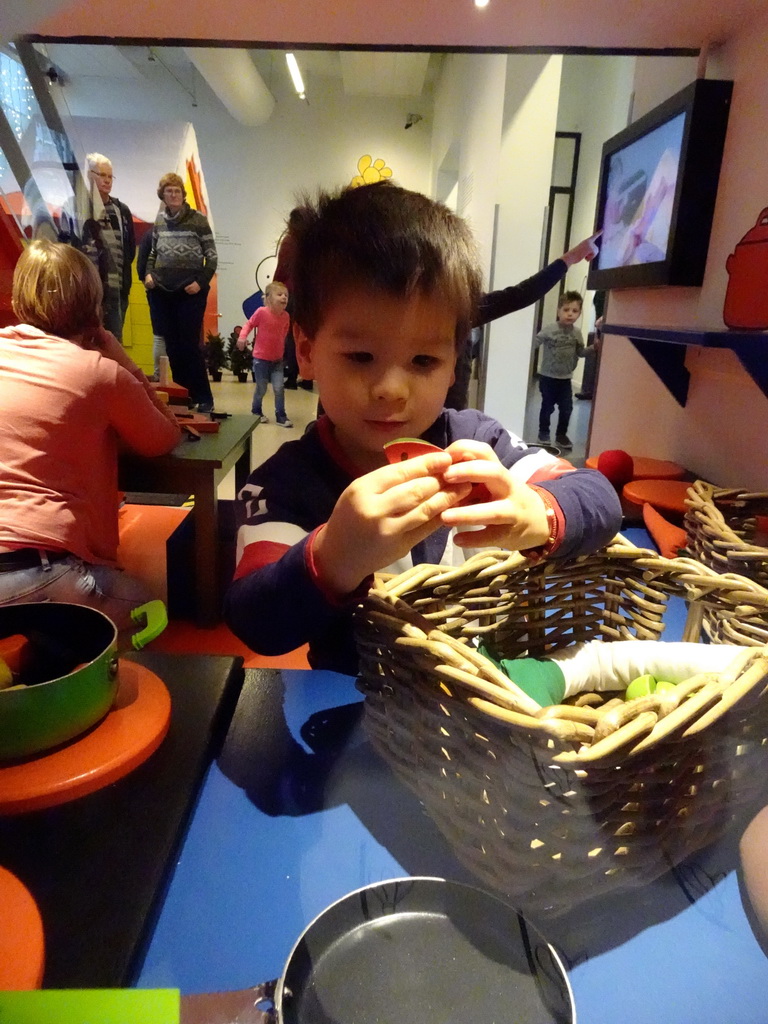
(299, 810)
(250, 879)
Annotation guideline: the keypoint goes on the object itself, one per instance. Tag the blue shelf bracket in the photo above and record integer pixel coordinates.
(752, 352)
(668, 363)
(663, 348)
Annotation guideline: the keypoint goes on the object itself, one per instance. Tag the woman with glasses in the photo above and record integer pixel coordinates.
(107, 239)
(181, 263)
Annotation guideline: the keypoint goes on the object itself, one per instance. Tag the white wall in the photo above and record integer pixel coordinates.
(527, 146)
(469, 103)
(595, 99)
(253, 175)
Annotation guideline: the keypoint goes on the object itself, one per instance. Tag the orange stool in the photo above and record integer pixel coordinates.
(648, 469)
(22, 942)
(664, 495)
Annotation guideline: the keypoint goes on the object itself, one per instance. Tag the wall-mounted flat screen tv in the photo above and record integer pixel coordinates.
(658, 185)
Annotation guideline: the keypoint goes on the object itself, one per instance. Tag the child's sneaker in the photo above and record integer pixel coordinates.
(260, 418)
(544, 439)
(284, 423)
(564, 441)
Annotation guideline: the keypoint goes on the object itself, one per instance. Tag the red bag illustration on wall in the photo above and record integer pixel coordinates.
(746, 298)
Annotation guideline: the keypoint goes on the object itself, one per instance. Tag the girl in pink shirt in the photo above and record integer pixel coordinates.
(270, 322)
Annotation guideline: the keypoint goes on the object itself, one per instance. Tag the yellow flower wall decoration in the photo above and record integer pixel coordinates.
(370, 171)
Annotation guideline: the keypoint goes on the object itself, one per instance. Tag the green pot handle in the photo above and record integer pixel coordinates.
(156, 620)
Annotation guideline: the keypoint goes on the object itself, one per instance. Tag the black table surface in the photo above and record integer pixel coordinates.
(98, 867)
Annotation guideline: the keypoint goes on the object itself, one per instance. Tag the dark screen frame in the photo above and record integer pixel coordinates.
(706, 105)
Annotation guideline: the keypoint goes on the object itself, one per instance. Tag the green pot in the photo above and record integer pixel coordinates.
(72, 676)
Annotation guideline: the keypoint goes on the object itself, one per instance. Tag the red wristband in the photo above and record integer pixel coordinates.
(543, 550)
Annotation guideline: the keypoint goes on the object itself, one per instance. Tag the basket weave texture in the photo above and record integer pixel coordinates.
(722, 525)
(552, 806)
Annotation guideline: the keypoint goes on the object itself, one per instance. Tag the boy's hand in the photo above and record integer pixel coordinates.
(514, 516)
(380, 517)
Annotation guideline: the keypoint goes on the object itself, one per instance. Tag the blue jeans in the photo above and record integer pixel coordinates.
(111, 591)
(555, 392)
(268, 371)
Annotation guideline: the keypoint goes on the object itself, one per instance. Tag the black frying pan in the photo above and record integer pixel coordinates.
(422, 951)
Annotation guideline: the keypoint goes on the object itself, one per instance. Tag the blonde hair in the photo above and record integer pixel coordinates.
(172, 179)
(57, 289)
(274, 284)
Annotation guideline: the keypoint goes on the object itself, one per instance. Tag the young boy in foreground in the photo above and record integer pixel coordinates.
(387, 282)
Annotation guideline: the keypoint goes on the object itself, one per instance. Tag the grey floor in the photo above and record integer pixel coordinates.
(232, 396)
(577, 431)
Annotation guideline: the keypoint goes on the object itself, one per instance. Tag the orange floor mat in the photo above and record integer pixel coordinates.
(144, 530)
(185, 638)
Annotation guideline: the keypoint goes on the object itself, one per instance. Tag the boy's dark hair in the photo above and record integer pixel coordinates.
(569, 297)
(384, 237)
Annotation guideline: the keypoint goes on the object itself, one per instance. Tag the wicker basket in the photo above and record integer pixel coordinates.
(552, 806)
(721, 525)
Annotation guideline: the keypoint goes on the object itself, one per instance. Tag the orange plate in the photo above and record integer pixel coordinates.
(203, 424)
(124, 739)
(22, 944)
(665, 495)
(648, 469)
(172, 390)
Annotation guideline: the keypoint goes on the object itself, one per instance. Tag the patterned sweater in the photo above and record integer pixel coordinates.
(183, 250)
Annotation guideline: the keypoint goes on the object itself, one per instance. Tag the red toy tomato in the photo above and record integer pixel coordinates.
(410, 447)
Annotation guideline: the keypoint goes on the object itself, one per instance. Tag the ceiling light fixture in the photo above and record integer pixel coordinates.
(293, 67)
(481, 3)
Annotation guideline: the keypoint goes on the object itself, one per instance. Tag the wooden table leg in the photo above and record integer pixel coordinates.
(207, 598)
(243, 467)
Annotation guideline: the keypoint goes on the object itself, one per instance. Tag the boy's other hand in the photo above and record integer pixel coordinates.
(514, 517)
(380, 517)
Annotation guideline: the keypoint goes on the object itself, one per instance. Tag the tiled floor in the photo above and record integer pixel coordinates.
(577, 431)
(232, 396)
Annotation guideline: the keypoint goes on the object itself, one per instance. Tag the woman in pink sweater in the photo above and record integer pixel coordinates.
(70, 396)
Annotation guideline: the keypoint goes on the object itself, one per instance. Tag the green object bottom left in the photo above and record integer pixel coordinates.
(90, 1006)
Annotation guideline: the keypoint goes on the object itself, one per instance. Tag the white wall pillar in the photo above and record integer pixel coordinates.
(527, 145)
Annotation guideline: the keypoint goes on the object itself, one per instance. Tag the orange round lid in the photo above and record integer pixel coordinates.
(667, 495)
(22, 944)
(132, 730)
(647, 469)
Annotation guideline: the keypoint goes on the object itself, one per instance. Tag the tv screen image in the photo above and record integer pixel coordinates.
(657, 191)
(642, 179)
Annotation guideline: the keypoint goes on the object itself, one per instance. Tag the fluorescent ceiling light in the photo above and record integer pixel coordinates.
(293, 67)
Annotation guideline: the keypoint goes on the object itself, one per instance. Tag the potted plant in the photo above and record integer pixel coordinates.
(215, 356)
(240, 360)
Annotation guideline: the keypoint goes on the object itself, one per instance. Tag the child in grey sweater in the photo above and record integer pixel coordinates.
(562, 346)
